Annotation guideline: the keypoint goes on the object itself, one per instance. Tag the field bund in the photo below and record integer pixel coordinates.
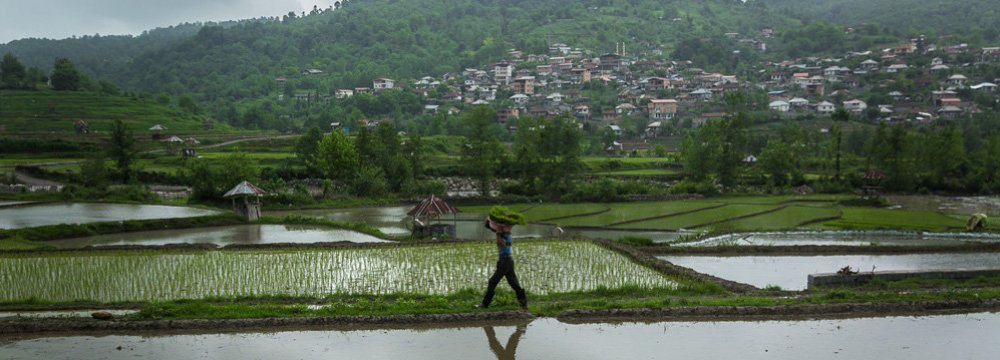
(170, 274)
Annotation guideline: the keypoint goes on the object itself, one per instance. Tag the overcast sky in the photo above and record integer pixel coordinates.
(57, 19)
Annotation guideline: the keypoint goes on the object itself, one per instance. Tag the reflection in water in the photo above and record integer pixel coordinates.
(791, 272)
(390, 220)
(926, 337)
(224, 235)
(78, 213)
(508, 352)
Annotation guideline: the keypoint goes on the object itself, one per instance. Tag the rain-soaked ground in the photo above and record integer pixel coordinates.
(791, 272)
(224, 235)
(963, 336)
(77, 213)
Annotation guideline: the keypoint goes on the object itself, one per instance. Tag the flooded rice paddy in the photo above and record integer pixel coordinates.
(391, 220)
(964, 336)
(844, 238)
(225, 235)
(78, 213)
(791, 272)
(547, 266)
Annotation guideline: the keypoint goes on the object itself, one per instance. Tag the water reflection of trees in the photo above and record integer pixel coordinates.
(508, 352)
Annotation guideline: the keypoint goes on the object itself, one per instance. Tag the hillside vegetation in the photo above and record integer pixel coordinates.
(974, 18)
(367, 39)
(47, 112)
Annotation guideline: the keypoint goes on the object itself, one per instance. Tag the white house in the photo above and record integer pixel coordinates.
(779, 105)
(520, 99)
(855, 106)
(897, 68)
(383, 84)
(798, 103)
(825, 108)
(991, 87)
(957, 80)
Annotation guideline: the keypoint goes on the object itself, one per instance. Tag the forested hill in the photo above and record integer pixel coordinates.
(975, 18)
(95, 54)
(367, 39)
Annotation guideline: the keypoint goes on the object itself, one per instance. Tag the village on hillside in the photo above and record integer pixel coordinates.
(914, 81)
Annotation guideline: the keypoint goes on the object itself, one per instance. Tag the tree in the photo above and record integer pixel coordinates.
(12, 73)
(839, 117)
(777, 162)
(122, 151)
(64, 76)
(307, 149)
(482, 152)
(337, 158)
(559, 146)
(186, 103)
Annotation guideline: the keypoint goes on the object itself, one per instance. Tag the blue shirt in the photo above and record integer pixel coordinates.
(505, 250)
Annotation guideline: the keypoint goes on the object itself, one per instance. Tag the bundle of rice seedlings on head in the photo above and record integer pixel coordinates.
(503, 215)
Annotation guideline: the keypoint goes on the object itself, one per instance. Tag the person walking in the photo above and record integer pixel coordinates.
(505, 265)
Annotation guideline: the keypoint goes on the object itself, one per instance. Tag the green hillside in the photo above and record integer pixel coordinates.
(977, 19)
(367, 39)
(46, 112)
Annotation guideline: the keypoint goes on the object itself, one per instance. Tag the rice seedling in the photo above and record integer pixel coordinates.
(544, 267)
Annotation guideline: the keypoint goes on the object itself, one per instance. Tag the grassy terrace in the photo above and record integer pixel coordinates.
(700, 218)
(623, 212)
(787, 218)
(737, 213)
(55, 111)
(162, 275)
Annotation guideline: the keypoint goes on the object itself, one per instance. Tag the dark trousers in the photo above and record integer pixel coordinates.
(505, 268)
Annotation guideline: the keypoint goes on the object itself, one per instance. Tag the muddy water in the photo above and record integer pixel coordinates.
(926, 337)
(791, 272)
(50, 214)
(846, 238)
(226, 235)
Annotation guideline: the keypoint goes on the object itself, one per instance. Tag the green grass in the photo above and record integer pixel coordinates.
(551, 211)
(699, 218)
(621, 212)
(159, 275)
(787, 218)
(868, 218)
(628, 297)
(55, 111)
(639, 172)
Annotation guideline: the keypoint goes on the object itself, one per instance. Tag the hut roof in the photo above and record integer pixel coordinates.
(244, 188)
(432, 206)
(157, 127)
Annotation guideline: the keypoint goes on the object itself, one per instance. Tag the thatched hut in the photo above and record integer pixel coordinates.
(430, 210)
(246, 200)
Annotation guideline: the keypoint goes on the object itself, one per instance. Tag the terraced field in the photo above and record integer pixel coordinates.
(699, 218)
(623, 212)
(787, 218)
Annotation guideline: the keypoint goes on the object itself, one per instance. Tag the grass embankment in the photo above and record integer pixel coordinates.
(539, 305)
(29, 237)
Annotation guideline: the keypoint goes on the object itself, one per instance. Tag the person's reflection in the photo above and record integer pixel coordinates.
(508, 352)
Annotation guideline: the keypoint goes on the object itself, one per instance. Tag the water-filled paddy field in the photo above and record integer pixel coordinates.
(109, 276)
(962, 336)
(843, 238)
(791, 272)
(78, 213)
(225, 235)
